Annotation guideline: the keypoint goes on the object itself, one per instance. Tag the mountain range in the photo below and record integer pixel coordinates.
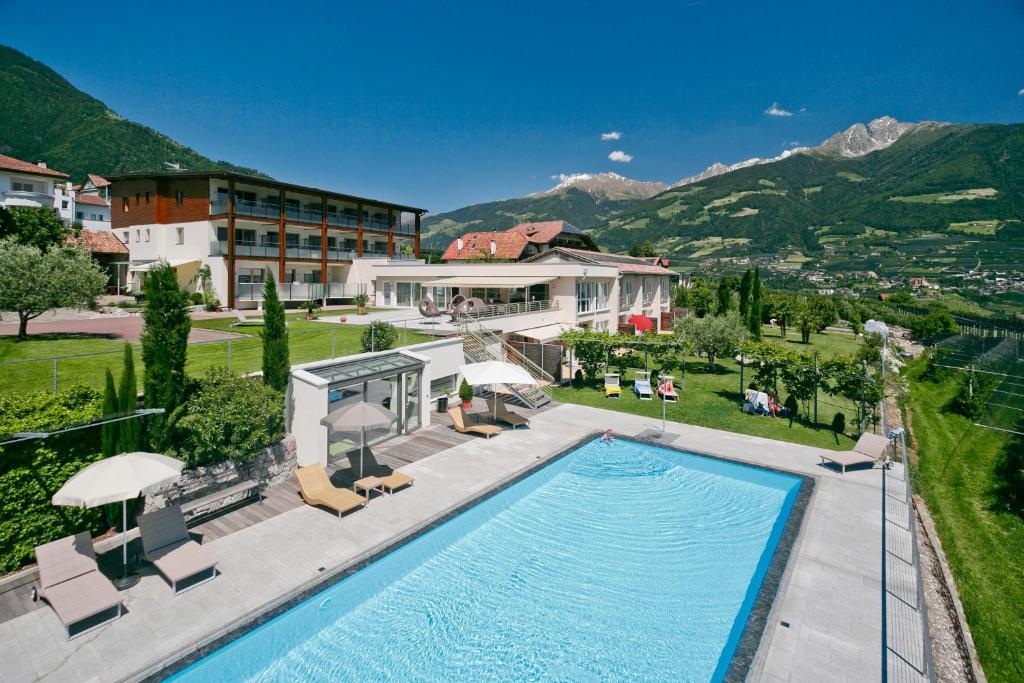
(45, 118)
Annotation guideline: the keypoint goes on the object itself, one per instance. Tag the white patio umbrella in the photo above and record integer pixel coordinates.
(493, 373)
(361, 416)
(118, 479)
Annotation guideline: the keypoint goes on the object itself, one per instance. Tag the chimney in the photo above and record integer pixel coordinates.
(458, 244)
(494, 247)
(41, 164)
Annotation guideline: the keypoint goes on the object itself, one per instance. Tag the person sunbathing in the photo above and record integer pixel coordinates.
(773, 405)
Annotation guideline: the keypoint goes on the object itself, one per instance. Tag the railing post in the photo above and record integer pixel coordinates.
(333, 354)
(55, 374)
(229, 355)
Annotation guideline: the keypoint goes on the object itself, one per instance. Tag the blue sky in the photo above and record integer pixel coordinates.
(444, 104)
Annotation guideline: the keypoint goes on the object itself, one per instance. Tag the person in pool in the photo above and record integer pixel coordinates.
(608, 436)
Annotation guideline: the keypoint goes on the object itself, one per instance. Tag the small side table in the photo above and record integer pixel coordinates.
(368, 484)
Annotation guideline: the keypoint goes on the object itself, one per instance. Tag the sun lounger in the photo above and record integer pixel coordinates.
(316, 489)
(243, 321)
(667, 391)
(612, 388)
(167, 544)
(869, 449)
(459, 423)
(71, 582)
(642, 386)
(501, 412)
(390, 479)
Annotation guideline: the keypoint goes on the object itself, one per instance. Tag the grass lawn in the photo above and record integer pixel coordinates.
(713, 400)
(983, 541)
(308, 341)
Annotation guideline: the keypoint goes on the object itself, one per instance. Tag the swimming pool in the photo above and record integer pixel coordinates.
(621, 561)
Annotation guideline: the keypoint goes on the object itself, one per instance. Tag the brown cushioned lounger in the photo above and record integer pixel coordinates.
(167, 544)
(501, 412)
(71, 582)
(870, 447)
(317, 489)
(390, 479)
(459, 422)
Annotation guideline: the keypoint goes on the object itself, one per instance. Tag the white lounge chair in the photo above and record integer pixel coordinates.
(243, 321)
(870, 448)
(642, 386)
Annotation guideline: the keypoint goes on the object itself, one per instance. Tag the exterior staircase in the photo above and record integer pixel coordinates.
(480, 345)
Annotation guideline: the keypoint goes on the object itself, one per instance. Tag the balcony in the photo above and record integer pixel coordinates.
(367, 253)
(342, 220)
(403, 229)
(26, 198)
(303, 215)
(218, 248)
(340, 255)
(344, 290)
(375, 225)
(303, 251)
(301, 291)
(506, 310)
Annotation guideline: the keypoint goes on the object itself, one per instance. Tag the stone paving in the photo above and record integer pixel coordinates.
(825, 625)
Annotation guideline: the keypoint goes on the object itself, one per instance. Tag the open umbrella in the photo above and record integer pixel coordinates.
(641, 322)
(493, 373)
(361, 416)
(119, 479)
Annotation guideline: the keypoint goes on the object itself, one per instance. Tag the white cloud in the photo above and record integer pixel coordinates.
(776, 110)
(619, 155)
(1021, 92)
(792, 144)
(611, 135)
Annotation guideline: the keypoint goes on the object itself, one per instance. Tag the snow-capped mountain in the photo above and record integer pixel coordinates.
(609, 185)
(718, 168)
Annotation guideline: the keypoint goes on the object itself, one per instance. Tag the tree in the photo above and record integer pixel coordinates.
(275, 336)
(724, 296)
(698, 298)
(589, 348)
(780, 307)
(378, 336)
(164, 348)
(745, 284)
(33, 282)
(644, 249)
(713, 337)
(824, 312)
(108, 431)
(756, 304)
(128, 432)
(800, 377)
(33, 226)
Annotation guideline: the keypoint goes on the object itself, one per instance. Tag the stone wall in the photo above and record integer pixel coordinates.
(271, 466)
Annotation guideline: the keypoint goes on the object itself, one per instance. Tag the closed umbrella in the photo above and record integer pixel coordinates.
(493, 373)
(361, 416)
(119, 479)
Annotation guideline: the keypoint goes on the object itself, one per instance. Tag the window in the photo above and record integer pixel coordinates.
(179, 197)
(138, 236)
(22, 187)
(124, 204)
(147, 234)
(147, 198)
(602, 296)
(64, 204)
(79, 215)
(137, 196)
(222, 234)
(180, 234)
(443, 386)
(125, 237)
(585, 297)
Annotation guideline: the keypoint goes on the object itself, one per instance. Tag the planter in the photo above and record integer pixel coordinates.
(309, 315)
(466, 405)
(361, 310)
(342, 319)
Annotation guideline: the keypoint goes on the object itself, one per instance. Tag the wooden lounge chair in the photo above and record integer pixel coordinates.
(71, 582)
(390, 479)
(167, 544)
(316, 489)
(869, 449)
(243, 321)
(501, 412)
(459, 422)
(612, 388)
(642, 386)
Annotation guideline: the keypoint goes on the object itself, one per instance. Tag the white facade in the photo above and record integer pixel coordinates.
(37, 191)
(92, 216)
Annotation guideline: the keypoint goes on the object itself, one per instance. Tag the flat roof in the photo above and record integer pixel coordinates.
(366, 367)
(489, 281)
(257, 180)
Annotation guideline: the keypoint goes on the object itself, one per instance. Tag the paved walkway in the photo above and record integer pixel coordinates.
(830, 599)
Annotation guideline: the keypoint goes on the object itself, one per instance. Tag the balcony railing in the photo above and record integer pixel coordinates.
(342, 220)
(374, 254)
(402, 229)
(304, 215)
(403, 257)
(376, 225)
(303, 251)
(340, 255)
(344, 290)
(505, 310)
(300, 291)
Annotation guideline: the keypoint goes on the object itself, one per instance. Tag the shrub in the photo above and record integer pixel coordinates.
(226, 417)
(465, 391)
(195, 298)
(164, 347)
(32, 471)
(973, 395)
(276, 365)
(379, 336)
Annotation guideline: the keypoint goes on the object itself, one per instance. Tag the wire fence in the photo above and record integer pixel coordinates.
(241, 355)
(993, 365)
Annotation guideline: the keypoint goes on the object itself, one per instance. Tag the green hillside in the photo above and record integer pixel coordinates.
(45, 118)
(580, 208)
(961, 182)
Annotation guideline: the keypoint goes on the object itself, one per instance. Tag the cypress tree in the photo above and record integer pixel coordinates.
(275, 336)
(164, 349)
(756, 304)
(724, 296)
(128, 400)
(109, 431)
(745, 294)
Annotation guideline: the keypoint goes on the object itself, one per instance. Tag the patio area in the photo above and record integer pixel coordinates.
(825, 624)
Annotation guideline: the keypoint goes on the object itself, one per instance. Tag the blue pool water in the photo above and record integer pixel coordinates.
(619, 561)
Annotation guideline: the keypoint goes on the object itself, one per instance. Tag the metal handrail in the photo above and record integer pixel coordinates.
(505, 310)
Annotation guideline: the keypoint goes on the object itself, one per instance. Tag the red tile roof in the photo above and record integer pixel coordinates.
(12, 164)
(539, 233)
(98, 242)
(507, 245)
(91, 199)
(98, 181)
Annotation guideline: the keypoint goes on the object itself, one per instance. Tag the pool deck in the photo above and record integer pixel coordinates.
(830, 597)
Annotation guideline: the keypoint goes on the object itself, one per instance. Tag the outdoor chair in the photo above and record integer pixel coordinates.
(390, 478)
(458, 418)
(316, 489)
(71, 583)
(869, 449)
(167, 544)
(642, 386)
(667, 391)
(243, 321)
(612, 388)
(501, 412)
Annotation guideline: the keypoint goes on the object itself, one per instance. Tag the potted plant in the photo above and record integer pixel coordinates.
(360, 300)
(310, 307)
(466, 394)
